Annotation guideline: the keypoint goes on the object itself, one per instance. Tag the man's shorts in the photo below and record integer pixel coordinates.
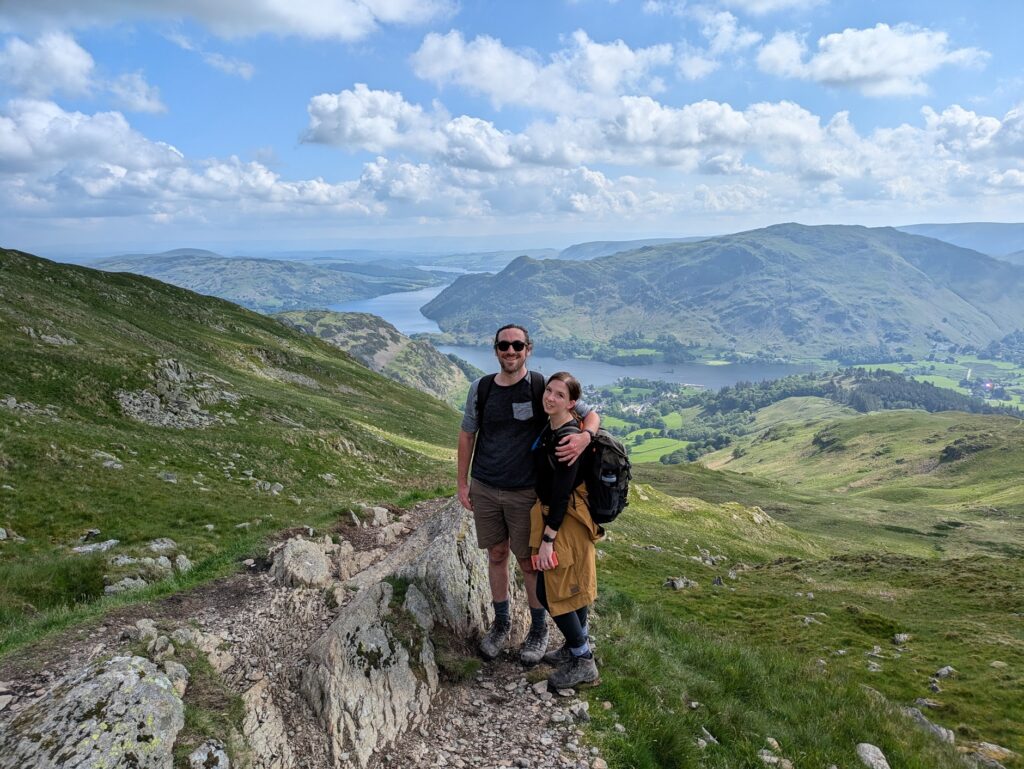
(502, 514)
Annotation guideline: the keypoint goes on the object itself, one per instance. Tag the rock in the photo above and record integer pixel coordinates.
(580, 711)
(933, 685)
(808, 620)
(264, 729)
(944, 734)
(925, 702)
(946, 672)
(186, 636)
(998, 665)
(123, 560)
(89, 535)
(717, 582)
(773, 744)
(329, 479)
(178, 675)
(126, 585)
(988, 754)
(96, 547)
(874, 667)
(381, 516)
(168, 477)
(871, 756)
(209, 527)
(619, 728)
(599, 763)
(276, 488)
(144, 630)
(160, 648)
(5, 701)
(679, 583)
(901, 638)
(708, 736)
(182, 563)
(124, 707)
(209, 755)
(162, 545)
(300, 563)
(360, 681)
(419, 607)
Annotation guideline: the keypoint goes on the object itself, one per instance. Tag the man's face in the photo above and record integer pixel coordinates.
(512, 360)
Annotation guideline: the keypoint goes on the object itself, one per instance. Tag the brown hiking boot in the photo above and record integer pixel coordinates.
(573, 672)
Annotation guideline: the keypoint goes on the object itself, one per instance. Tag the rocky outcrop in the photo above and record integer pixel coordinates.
(121, 713)
(301, 564)
(177, 397)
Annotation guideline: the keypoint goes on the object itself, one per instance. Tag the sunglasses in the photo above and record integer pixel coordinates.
(516, 345)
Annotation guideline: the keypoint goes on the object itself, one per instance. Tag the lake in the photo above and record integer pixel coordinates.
(402, 310)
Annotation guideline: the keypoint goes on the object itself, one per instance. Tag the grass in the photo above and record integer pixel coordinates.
(652, 449)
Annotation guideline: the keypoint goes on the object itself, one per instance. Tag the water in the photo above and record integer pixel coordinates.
(595, 373)
(402, 310)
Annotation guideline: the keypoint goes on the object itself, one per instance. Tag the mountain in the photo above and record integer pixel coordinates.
(1003, 240)
(380, 346)
(786, 290)
(145, 411)
(599, 248)
(271, 285)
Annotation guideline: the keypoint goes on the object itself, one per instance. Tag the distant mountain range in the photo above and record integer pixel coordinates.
(1005, 241)
(787, 289)
(381, 347)
(272, 285)
(599, 248)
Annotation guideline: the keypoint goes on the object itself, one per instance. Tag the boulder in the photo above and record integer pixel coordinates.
(126, 585)
(118, 714)
(941, 732)
(264, 729)
(679, 583)
(209, 755)
(871, 756)
(300, 563)
(96, 547)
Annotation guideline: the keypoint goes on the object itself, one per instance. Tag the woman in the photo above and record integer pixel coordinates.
(562, 534)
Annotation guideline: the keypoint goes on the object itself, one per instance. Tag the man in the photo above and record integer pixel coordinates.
(497, 439)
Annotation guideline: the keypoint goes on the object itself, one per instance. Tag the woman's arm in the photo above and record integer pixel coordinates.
(563, 481)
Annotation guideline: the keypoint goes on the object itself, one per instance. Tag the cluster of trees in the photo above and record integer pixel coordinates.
(1009, 348)
(630, 348)
(855, 355)
(890, 390)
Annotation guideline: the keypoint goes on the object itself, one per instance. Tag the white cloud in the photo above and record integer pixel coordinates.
(880, 61)
(316, 19)
(578, 77)
(724, 34)
(761, 7)
(371, 120)
(133, 93)
(226, 64)
(720, 29)
(55, 62)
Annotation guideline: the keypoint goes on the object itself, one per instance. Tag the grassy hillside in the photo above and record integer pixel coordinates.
(271, 285)
(786, 290)
(380, 346)
(1000, 239)
(269, 405)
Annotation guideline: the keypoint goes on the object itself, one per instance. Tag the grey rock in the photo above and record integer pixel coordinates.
(300, 563)
(941, 732)
(168, 477)
(209, 755)
(123, 560)
(160, 648)
(871, 756)
(126, 585)
(264, 729)
(419, 607)
(117, 714)
(276, 488)
(901, 638)
(90, 534)
(162, 545)
(945, 672)
(182, 563)
(381, 516)
(679, 583)
(96, 547)
(178, 675)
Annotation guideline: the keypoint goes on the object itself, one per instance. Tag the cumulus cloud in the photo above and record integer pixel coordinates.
(577, 77)
(317, 19)
(53, 63)
(880, 61)
(376, 121)
(761, 7)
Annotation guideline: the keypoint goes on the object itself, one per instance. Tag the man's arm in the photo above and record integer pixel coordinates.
(570, 448)
(467, 442)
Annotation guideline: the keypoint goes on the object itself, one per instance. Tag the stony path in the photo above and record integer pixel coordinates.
(500, 720)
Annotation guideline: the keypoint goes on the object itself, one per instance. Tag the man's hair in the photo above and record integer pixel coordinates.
(572, 384)
(506, 327)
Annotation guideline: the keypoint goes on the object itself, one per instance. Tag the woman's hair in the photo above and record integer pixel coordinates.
(572, 384)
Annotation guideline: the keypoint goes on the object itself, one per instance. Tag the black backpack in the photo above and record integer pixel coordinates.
(608, 474)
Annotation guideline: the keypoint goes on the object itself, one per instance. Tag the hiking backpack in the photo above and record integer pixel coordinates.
(607, 477)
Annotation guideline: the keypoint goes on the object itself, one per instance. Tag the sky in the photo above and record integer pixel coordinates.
(247, 126)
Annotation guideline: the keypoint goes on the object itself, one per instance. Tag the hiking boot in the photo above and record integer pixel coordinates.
(558, 656)
(533, 648)
(494, 643)
(573, 672)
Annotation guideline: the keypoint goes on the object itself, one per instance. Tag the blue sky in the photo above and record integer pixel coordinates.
(248, 126)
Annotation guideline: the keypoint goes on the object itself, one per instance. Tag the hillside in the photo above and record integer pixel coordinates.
(598, 248)
(786, 290)
(271, 285)
(1002, 240)
(380, 346)
(143, 410)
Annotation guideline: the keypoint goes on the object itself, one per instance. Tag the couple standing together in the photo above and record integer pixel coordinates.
(524, 439)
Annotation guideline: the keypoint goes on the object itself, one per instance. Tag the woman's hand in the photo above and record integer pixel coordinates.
(544, 556)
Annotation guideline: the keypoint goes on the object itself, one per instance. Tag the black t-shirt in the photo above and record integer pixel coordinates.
(508, 428)
(556, 480)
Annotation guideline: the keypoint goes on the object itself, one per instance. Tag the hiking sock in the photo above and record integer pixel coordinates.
(501, 618)
(538, 620)
(582, 651)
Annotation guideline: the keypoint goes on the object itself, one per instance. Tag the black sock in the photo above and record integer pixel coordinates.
(501, 613)
(538, 620)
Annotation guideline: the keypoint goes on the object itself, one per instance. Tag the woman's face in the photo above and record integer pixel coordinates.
(556, 397)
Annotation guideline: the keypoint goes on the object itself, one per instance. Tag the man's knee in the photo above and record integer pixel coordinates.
(498, 554)
(526, 564)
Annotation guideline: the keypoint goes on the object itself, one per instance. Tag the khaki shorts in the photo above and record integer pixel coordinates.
(502, 514)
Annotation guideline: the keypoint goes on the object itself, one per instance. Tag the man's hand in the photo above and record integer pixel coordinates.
(464, 496)
(571, 446)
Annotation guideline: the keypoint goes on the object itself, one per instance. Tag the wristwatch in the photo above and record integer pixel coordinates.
(547, 538)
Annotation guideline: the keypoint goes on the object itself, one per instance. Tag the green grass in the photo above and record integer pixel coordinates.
(652, 449)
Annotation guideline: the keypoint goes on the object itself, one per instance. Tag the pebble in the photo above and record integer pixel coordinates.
(620, 728)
